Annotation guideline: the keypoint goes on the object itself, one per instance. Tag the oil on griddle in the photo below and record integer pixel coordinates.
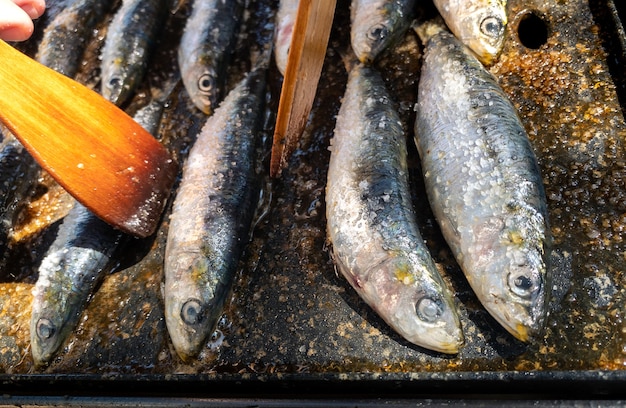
(289, 311)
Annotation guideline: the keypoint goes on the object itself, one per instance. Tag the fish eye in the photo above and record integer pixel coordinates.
(491, 26)
(191, 312)
(215, 335)
(523, 283)
(205, 83)
(429, 309)
(45, 328)
(378, 32)
(115, 82)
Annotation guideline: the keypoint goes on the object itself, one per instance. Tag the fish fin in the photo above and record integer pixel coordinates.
(176, 5)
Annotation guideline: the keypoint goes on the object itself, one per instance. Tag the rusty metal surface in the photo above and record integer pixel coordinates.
(291, 316)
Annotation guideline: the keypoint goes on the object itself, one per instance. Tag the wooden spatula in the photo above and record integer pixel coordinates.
(309, 41)
(100, 155)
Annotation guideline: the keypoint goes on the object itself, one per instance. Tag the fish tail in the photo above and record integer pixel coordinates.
(176, 5)
(427, 29)
(260, 58)
(161, 93)
(262, 53)
(349, 58)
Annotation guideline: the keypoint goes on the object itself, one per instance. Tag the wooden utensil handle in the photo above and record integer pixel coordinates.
(307, 51)
(92, 148)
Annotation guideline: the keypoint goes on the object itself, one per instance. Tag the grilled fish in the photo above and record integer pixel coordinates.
(66, 37)
(205, 49)
(68, 275)
(82, 253)
(479, 24)
(129, 42)
(212, 216)
(372, 227)
(483, 182)
(376, 24)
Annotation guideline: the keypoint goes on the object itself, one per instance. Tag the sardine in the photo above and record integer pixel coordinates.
(82, 253)
(376, 24)
(205, 49)
(212, 216)
(66, 37)
(129, 42)
(484, 183)
(68, 275)
(372, 225)
(479, 24)
(285, 19)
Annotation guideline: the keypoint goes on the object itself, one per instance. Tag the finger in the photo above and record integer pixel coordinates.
(15, 23)
(34, 8)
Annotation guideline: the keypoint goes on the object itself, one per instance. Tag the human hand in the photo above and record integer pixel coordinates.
(16, 18)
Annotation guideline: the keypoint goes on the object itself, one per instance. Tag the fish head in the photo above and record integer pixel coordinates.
(373, 31)
(54, 315)
(193, 304)
(413, 299)
(483, 30)
(203, 86)
(48, 332)
(507, 268)
(118, 82)
(68, 275)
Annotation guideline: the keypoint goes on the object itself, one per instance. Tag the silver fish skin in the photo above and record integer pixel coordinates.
(68, 275)
(66, 37)
(75, 263)
(371, 222)
(484, 184)
(129, 42)
(285, 19)
(376, 24)
(479, 24)
(205, 49)
(212, 216)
